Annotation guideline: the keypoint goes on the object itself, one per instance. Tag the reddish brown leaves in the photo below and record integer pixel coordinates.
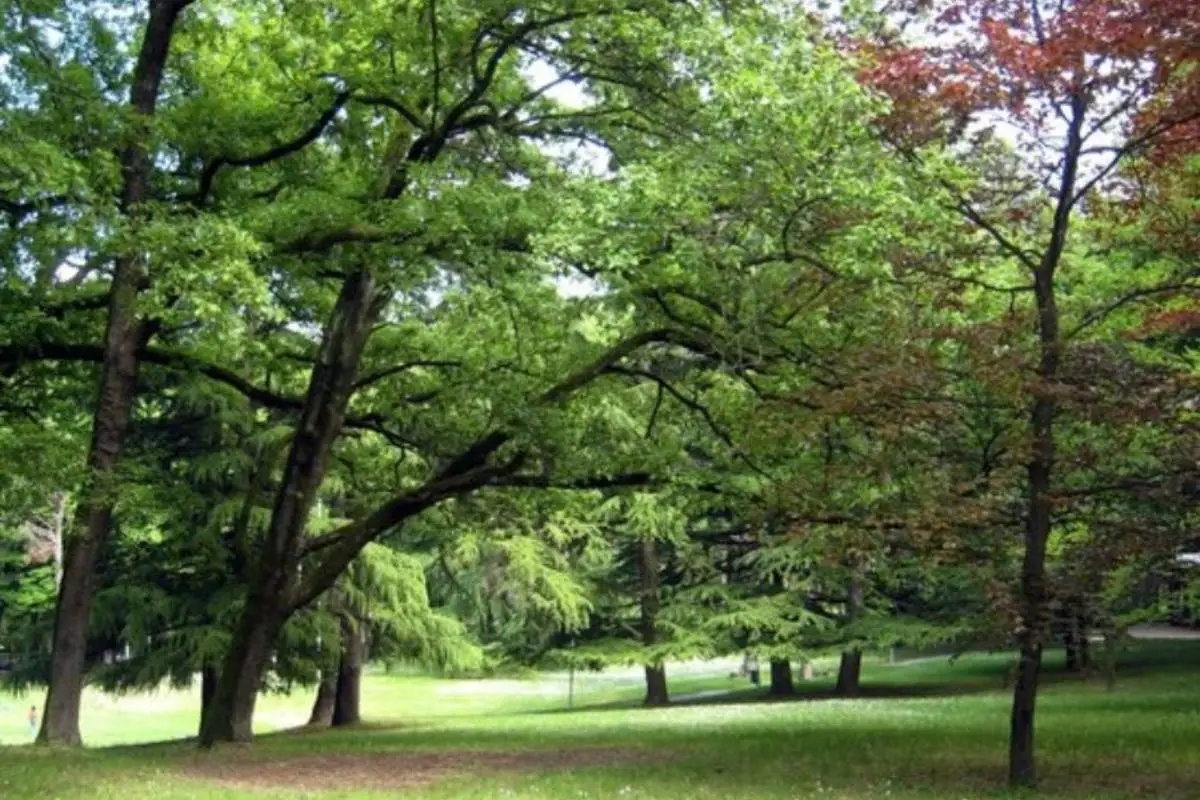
(1132, 62)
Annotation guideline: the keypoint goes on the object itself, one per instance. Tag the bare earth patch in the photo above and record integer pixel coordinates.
(395, 771)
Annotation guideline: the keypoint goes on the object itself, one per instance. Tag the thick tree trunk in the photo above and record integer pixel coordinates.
(322, 710)
(118, 379)
(208, 688)
(272, 598)
(781, 678)
(349, 678)
(849, 681)
(230, 716)
(656, 686)
(656, 673)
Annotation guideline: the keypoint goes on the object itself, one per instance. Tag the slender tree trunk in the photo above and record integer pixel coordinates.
(656, 673)
(781, 678)
(850, 670)
(208, 688)
(349, 678)
(118, 379)
(1073, 646)
(272, 598)
(322, 710)
(1021, 766)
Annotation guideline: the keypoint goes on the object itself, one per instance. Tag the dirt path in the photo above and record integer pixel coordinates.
(394, 771)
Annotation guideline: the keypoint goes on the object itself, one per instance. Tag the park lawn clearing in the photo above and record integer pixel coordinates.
(930, 731)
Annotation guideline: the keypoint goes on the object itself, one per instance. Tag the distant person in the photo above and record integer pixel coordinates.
(33, 720)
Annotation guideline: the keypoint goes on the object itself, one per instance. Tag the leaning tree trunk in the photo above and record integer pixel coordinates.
(118, 378)
(272, 598)
(322, 710)
(656, 673)
(230, 716)
(849, 681)
(346, 709)
(781, 678)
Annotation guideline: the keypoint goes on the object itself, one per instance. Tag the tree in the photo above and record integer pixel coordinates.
(1083, 85)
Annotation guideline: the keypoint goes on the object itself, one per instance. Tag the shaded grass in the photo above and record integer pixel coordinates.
(942, 734)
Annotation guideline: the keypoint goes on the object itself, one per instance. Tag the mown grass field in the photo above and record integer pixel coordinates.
(932, 729)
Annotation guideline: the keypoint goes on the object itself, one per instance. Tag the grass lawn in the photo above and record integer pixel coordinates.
(931, 729)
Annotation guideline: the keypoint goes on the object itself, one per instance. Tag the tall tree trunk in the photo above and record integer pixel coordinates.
(346, 709)
(656, 673)
(781, 678)
(274, 580)
(208, 688)
(322, 710)
(118, 379)
(1021, 767)
(850, 670)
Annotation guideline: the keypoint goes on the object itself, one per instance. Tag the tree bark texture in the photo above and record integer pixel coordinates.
(656, 673)
(275, 575)
(322, 710)
(230, 717)
(123, 336)
(347, 706)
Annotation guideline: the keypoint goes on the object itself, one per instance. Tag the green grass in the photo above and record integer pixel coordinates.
(932, 729)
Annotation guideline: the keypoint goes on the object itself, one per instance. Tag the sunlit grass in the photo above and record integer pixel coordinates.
(940, 734)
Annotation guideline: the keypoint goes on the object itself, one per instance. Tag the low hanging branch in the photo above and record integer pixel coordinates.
(465, 473)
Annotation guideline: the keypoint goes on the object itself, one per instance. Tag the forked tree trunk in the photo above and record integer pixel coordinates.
(781, 678)
(347, 709)
(272, 596)
(114, 405)
(656, 673)
(322, 710)
(208, 688)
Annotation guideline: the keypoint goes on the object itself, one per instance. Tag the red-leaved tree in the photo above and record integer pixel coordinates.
(1079, 88)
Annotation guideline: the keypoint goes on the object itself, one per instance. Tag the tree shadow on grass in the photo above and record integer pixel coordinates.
(1136, 660)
